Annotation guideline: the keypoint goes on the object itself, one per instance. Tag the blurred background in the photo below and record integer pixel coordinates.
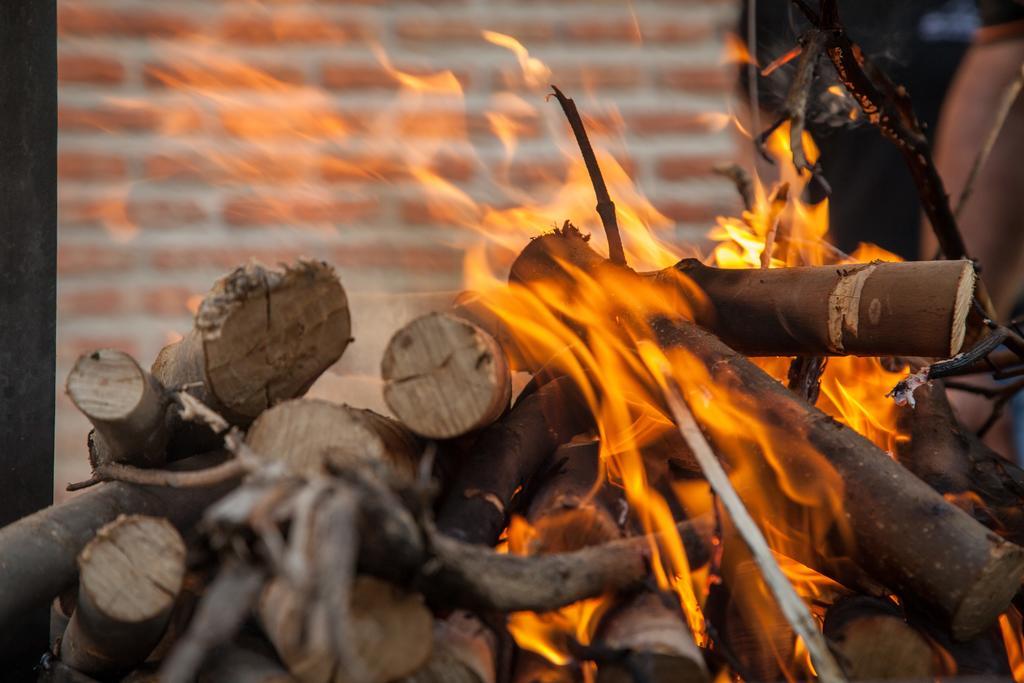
(387, 138)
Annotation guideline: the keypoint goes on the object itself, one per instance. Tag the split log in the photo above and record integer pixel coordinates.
(869, 309)
(464, 652)
(955, 462)
(38, 553)
(313, 436)
(261, 336)
(129, 577)
(391, 629)
(444, 377)
(872, 641)
(506, 456)
(656, 641)
(903, 533)
(126, 406)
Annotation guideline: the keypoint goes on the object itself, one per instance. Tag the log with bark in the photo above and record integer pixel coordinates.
(898, 529)
(444, 377)
(261, 336)
(464, 652)
(38, 553)
(313, 436)
(126, 406)
(873, 641)
(955, 462)
(129, 577)
(868, 309)
(506, 456)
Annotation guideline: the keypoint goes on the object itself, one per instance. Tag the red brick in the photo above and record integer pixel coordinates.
(90, 166)
(164, 213)
(224, 75)
(385, 256)
(698, 80)
(90, 302)
(685, 168)
(433, 30)
(219, 258)
(595, 31)
(72, 346)
(357, 76)
(644, 124)
(260, 211)
(677, 32)
(168, 302)
(134, 118)
(688, 212)
(119, 213)
(225, 168)
(579, 78)
(278, 122)
(92, 69)
(76, 259)
(79, 18)
(270, 30)
(366, 168)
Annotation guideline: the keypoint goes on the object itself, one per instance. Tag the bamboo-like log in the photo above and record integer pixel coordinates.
(126, 406)
(38, 553)
(444, 377)
(313, 435)
(656, 639)
(955, 462)
(391, 628)
(261, 336)
(873, 642)
(130, 575)
(869, 309)
(506, 456)
(904, 534)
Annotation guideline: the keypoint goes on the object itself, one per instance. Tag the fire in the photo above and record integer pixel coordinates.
(1010, 625)
(736, 51)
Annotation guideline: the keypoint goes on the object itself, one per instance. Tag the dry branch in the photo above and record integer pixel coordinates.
(38, 553)
(904, 534)
(506, 456)
(129, 577)
(444, 377)
(260, 336)
(126, 406)
(913, 308)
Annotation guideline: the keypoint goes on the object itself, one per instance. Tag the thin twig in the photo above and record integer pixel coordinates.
(794, 609)
(755, 101)
(741, 179)
(795, 106)
(605, 205)
(211, 476)
(1005, 104)
(776, 205)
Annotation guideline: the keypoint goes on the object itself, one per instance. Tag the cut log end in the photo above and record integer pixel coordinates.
(313, 435)
(133, 569)
(267, 334)
(444, 377)
(993, 590)
(962, 306)
(106, 385)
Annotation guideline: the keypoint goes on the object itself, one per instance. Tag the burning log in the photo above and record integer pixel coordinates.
(506, 456)
(445, 377)
(955, 462)
(126, 406)
(904, 534)
(655, 640)
(260, 336)
(391, 631)
(312, 436)
(38, 553)
(873, 642)
(869, 309)
(130, 575)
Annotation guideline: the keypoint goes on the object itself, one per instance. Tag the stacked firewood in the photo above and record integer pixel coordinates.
(234, 530)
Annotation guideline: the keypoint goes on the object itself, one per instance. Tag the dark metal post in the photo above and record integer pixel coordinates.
(28, 250)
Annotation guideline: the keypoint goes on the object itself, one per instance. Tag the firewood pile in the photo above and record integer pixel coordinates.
(650, 504)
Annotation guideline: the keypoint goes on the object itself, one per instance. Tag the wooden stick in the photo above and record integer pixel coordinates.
(792, 606)
(903, 533)
(313, 436)
(126, 406)
(506, 456)
(954, 462)
(657, 640)
(39, 551)
(445, 377)
(605, 205)
(913, 308)
(873, 641)
(261, 336)
(129, 577)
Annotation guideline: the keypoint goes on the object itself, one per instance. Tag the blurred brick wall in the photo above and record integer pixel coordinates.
(288, 108)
